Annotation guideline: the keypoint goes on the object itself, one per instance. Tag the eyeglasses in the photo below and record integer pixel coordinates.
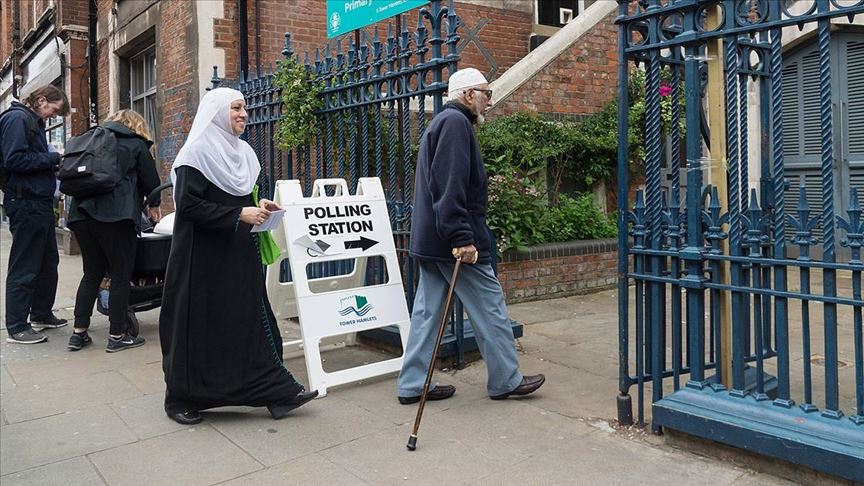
(488, 92)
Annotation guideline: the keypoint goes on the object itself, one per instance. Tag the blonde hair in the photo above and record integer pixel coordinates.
(133, 121)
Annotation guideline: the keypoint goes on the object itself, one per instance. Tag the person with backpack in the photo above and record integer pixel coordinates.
(106, 224)
(28, 188)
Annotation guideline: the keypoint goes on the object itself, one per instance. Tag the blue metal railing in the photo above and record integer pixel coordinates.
(667, 246)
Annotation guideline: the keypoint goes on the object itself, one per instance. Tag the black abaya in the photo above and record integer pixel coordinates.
(220, 342)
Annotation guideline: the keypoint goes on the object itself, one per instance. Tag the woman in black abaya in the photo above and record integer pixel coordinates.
(220, 342)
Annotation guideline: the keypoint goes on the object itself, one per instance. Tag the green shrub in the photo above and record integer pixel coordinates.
(516, 210)
(577, 218)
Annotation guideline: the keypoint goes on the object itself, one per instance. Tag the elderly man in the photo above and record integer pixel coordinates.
(449, 221)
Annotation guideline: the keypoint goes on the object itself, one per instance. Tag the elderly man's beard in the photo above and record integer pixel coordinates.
(479, 108)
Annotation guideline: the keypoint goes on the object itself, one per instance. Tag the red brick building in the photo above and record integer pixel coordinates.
(156, 56)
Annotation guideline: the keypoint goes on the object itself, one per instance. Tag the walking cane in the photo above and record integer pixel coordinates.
(412, 441)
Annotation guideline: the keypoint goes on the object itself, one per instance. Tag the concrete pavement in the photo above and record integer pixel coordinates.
(96, 418)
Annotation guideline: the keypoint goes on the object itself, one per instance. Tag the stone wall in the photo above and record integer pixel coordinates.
(558, 270)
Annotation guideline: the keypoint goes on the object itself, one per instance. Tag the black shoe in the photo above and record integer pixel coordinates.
(440, 392)
(50, 322)
(27, 336)
(529, 384)
(124, 342)
(79, 340)
(186, 418)
(281, 410)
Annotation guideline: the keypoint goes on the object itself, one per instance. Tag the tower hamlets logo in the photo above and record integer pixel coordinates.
(335, 21)
(356, 304)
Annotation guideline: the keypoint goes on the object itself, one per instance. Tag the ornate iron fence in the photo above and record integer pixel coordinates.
(378, 96)
(780, 407)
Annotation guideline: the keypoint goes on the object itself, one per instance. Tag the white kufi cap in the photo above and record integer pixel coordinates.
(464, 79)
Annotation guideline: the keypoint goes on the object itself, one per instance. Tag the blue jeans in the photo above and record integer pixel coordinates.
(483, 298)
(31, 281)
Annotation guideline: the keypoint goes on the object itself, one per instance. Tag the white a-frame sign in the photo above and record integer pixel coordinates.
(341, 227)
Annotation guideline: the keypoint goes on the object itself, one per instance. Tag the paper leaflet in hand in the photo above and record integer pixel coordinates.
(271, 223)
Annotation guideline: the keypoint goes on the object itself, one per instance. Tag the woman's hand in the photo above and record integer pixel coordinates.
(268, 205)
(155, 214)
(254, 216)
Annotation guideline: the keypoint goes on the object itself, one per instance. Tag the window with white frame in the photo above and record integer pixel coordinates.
(55, 128)
(557, 13)
(55, 132)
(142, 85)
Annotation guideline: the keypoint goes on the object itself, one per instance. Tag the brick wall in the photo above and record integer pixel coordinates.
(177, 89)
(5, 31)
(579, 82)
(103, 9)
(73, 12)
(558, 270)
(503, 34)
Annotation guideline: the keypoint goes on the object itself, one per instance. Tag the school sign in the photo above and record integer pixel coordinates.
(346, 15)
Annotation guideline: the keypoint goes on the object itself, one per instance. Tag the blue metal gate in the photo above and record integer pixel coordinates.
(791, 317)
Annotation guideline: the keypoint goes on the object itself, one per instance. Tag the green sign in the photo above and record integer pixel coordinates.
(346, 15)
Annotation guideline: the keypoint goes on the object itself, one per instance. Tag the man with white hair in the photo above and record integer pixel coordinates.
(449, 221)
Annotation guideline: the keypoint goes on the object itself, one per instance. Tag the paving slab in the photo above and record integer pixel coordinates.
(516, 423)
(27, 402)
(567, 391)
(194, 456)
(148, 378)
(145, 416)
(378, 396)
(59, 437)
(585, 357)
(31, 364)
(753, 478)
(318, 425)
(309, 469)
(6, 381)
(581, 330)
(72, 472)
(608, 460)
(446, 454)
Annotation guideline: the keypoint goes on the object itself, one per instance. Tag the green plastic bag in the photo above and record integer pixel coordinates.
(270, 251)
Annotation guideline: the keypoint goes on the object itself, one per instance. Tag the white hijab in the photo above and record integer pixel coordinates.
(214, 149)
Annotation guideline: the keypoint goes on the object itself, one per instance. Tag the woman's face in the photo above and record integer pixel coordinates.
(238, 117)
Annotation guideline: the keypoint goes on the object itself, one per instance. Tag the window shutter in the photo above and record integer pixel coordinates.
(855, 99)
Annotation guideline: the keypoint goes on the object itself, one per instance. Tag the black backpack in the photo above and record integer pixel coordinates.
(89, 165)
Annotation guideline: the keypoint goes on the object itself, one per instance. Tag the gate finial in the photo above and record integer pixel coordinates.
(287, 50)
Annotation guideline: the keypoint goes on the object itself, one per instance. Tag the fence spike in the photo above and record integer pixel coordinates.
(214, 80)
(286, 50)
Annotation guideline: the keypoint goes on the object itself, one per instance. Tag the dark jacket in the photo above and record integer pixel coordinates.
(126, 201)
(450, 189)
(28, 164)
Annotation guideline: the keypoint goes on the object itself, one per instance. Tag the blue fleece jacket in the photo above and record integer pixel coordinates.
(28, 163)
(450, 189)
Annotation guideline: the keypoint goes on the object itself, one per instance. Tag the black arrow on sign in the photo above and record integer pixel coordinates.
(363, 242)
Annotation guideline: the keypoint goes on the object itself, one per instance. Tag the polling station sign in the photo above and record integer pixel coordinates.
(329, 228)
(346, 15)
